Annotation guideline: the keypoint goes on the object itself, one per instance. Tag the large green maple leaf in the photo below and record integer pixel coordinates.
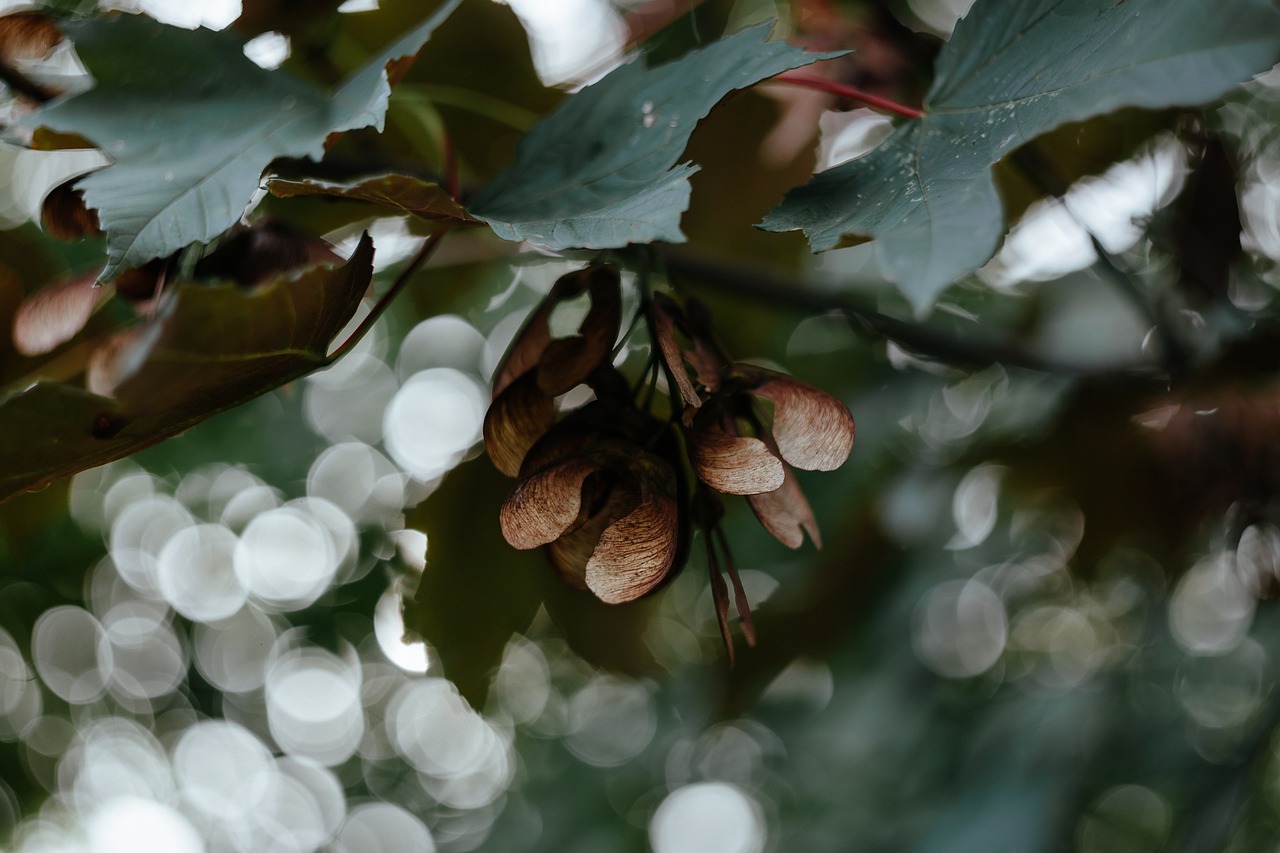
(598, 172)
(1012, 71)
(191, 124)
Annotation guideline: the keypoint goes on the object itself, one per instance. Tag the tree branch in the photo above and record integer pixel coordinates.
(1177, 352)
(751, 283)
(384, 301)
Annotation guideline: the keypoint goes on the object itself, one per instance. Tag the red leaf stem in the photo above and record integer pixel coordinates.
(852, 92)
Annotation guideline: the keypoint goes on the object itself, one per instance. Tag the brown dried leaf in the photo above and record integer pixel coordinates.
(518, 417)
(814, 430)
(55, 313)
(252, 254)
(733, 464)
(423, 199)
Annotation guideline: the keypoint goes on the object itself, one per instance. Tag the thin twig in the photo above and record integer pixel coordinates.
(386, 299)
(844, 90)
(752, 283)
(1177, 352)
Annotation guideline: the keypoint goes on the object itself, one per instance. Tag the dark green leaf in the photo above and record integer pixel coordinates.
(600, 172)
(421, 198)
(290, 17)
(476, 590)
(191, 123)
(210, 349)
(1010, 73)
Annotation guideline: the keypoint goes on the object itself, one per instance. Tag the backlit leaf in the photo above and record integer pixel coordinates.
(211, 348)
(423, 199)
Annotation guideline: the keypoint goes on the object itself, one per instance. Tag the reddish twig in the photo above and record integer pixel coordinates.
(846, 91)
(386, 299)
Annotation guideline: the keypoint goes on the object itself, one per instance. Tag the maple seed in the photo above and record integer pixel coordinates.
(609, 514)
(604, 490)
(733, 464)
(563, 363)
(55, 314)
(111, 362)
(538, 367)
(734, 448)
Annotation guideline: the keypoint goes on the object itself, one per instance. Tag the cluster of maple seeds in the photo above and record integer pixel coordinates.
(606, 488)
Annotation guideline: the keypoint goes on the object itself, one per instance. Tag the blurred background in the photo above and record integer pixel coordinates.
(1042, 618)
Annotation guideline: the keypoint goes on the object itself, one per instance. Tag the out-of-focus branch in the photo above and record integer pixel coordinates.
(752, 283)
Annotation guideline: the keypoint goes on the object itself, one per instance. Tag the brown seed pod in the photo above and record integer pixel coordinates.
(27, 36)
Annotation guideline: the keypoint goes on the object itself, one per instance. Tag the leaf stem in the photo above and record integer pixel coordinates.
(844, 90)
(384, 301)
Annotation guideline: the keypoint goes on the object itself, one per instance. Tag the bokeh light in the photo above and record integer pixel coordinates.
(72, 654)
(434, 419)
(313, 704)
(709, 817)
(961, 629)
(286, 558)
(196, 573)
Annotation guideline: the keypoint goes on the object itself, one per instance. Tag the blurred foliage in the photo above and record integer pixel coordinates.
(1042, 617)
